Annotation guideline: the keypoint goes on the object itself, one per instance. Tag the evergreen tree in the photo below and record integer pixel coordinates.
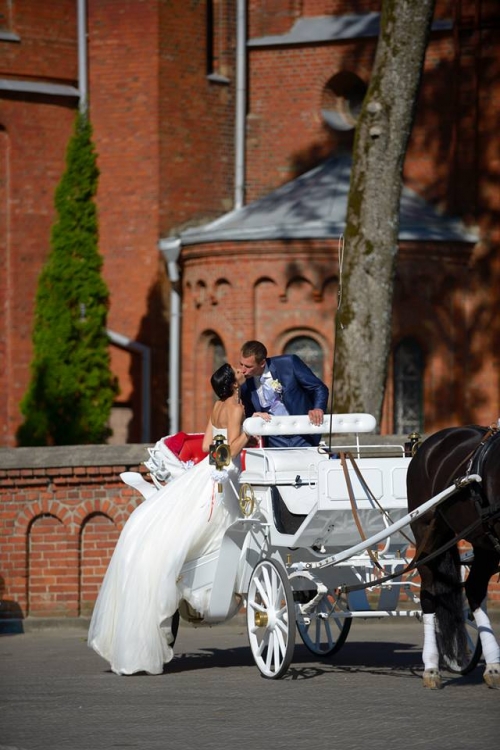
(72, 389)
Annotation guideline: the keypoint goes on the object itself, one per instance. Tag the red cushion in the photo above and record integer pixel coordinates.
(175, 442)
(192, 449)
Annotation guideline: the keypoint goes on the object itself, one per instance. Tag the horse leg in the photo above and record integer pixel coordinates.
(430, 652)
(484, 565)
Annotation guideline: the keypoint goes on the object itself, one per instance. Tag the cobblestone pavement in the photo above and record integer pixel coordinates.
(57, 694)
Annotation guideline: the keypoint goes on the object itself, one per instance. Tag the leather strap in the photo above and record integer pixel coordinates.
(355, 510)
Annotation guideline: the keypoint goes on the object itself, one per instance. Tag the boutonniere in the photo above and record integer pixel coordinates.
(276, 386)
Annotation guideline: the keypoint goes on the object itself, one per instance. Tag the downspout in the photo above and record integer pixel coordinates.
(241, 74)
(82, 55)
(170, 249)
(145, 353)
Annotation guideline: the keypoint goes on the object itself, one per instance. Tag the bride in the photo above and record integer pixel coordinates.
(131, 622)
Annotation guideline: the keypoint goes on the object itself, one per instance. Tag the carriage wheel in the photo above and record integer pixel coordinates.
(175, 626)
(271, 619)
(325, 634)
(474, 649)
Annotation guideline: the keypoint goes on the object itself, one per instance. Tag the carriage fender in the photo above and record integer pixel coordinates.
(236, 555)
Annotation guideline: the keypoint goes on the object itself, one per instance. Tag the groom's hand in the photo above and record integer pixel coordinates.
(316, 416)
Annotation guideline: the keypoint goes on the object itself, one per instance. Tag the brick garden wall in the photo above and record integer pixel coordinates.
(61, 512)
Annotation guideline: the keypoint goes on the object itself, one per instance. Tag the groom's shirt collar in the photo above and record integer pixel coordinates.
(266, 374)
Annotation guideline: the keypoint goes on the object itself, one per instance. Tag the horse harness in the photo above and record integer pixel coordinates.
(488, 513)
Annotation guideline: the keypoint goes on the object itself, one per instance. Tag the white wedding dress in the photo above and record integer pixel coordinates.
(186, 519)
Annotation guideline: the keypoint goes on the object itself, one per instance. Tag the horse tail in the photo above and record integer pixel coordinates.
(448, 591)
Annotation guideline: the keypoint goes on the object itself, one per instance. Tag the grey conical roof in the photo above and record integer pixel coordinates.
(314, 206)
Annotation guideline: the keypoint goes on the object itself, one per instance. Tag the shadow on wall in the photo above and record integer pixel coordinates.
(154, 333)
(11, 615)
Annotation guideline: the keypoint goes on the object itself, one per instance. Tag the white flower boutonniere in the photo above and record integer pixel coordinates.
(276, 386)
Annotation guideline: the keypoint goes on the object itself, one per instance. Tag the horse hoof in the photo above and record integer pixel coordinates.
(491, 676)
(432, 679)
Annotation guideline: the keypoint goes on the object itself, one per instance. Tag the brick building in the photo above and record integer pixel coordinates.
(206, 117)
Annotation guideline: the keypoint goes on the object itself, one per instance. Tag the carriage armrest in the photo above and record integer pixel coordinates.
(301, 425)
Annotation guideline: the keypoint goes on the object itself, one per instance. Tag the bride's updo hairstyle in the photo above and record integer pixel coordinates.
(223, 381)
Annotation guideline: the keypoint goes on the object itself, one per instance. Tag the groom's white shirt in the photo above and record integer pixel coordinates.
(258, 385)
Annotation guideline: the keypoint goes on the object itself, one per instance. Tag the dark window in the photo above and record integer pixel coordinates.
(408, 387)
(309, 351)
(216, 358)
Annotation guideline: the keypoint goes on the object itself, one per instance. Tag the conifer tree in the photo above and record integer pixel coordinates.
(69, 399)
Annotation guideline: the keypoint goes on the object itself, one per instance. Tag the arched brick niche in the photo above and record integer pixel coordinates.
(52, 566)
(98, 538)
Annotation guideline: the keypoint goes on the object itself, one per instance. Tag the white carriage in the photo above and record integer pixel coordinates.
(323, 538)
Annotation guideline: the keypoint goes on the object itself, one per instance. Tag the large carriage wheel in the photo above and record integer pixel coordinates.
(474, 649)
(271, 619)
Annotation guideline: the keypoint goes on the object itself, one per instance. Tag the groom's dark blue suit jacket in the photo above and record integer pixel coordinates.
(302, 391)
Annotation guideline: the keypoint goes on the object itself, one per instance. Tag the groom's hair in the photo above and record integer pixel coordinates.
(254, 349)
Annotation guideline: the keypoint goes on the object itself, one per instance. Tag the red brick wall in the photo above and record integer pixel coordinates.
(34, 134)
(59, 525)
(196, 117)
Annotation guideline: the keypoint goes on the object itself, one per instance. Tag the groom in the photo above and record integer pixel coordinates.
(281, 385)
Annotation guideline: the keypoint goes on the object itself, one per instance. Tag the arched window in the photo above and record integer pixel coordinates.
(216, 358)
(309, 351)
(218, 352)
(408, 387)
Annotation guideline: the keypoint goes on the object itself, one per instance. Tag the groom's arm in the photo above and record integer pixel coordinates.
(246, 400)
(311, 383)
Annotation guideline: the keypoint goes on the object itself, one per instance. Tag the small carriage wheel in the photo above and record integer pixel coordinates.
(474, 649)
(271, 619)
(174, 627)
(324, 634)
(247, 499)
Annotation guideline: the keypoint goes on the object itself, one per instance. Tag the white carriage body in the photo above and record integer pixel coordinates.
(303, 512)
(304, 496)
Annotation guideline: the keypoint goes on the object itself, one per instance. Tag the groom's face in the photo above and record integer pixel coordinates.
(250, 368)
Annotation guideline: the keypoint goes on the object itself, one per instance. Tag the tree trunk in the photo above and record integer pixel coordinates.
(363, 323)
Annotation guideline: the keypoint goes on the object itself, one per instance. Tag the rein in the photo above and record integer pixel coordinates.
(413, 563)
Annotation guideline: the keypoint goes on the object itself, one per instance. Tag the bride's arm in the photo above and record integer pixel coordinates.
(236, 438)
(207, 438)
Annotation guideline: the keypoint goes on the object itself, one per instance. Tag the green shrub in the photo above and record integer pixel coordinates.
(72, 389)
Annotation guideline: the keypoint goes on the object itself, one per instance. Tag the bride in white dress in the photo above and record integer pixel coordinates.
(131, 622)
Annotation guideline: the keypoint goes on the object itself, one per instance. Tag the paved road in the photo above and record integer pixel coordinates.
(56, 694)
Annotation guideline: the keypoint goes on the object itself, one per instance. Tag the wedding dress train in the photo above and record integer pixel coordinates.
(184, 520)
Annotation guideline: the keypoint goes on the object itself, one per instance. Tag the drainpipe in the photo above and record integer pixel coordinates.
(241, 73)
(82, 55)
(145, 353)
(170, 249)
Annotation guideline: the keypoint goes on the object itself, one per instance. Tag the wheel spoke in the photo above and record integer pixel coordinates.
(272, 636)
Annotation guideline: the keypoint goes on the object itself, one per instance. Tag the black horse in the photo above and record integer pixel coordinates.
(472, 514)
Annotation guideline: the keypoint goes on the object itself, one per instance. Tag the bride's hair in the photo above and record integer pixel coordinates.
(222, 381)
